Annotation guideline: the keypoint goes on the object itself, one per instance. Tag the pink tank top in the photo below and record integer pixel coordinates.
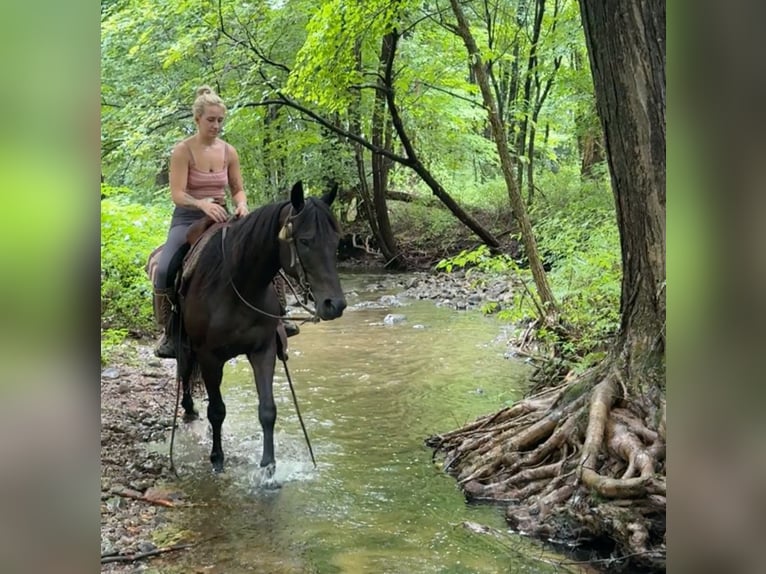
(208, 184)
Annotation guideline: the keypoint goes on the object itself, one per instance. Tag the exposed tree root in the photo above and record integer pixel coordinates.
(575, 463)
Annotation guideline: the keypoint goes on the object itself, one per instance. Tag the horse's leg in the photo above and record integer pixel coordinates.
(263, 369)
(189, 377)
(212, 373)
(188, 370)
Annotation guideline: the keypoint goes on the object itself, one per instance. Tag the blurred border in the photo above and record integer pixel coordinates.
(49, 424)
(716, 286)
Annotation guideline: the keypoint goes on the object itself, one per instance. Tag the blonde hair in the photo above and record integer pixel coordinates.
(206, 97)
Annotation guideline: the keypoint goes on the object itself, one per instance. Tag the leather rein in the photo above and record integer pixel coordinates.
(285, 234)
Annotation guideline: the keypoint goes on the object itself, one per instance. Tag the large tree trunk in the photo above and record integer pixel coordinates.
(548, 308)
(626, 43)
(585, 459)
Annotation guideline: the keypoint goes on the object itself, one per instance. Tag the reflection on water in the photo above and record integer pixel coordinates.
(370, 393)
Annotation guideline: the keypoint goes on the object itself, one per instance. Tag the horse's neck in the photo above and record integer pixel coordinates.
(258, 265)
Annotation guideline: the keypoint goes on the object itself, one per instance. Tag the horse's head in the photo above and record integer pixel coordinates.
(309, 246)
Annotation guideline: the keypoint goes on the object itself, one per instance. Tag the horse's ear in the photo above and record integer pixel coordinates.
(296, 196)
(329, 197)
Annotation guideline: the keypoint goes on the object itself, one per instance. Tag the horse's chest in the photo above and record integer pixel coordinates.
(252, 335)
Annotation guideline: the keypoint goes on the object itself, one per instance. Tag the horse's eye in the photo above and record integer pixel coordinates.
(305, 242)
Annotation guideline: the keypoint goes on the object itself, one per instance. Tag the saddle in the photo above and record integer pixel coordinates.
(197, 236)
(186, 257)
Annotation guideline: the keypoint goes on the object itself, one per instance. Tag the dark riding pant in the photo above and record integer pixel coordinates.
(179, 225)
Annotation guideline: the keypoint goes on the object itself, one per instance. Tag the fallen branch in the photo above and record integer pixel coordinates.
(140, 555)
(125, 493)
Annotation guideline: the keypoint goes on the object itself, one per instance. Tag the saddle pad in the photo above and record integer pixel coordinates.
(191, 259)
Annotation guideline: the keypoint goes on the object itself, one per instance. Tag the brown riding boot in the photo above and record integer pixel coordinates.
(291, 328)
(163, 314)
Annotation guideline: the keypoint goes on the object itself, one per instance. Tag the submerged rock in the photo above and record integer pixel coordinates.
(394, 319)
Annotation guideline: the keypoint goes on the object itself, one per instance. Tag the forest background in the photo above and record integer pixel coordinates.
(320, 92)
(487, 107)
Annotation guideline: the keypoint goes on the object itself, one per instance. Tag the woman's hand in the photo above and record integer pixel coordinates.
(214, 211)
(241, 209)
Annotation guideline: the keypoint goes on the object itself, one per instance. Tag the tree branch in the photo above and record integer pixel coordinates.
(290, 103)
(454, 95)
(140, 555)
(250, 44)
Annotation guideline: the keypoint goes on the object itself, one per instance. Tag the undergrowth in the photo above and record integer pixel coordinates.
(576, 231)
(129, 232)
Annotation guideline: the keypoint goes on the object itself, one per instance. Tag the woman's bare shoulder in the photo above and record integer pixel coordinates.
(230, 149)
(183, 148)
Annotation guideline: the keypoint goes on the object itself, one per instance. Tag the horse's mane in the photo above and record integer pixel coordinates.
(248, 240)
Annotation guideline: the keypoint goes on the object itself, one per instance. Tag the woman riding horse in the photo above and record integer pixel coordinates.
(201, 167)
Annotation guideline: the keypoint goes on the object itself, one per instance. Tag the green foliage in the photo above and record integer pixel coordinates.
(576, 227)
(576, 231)
(111, 341)
(326, 55)
(479, 258)
(129, 232)
(426, 222)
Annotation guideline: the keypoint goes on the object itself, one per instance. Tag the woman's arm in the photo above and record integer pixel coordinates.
(179, 172)
(236, 186)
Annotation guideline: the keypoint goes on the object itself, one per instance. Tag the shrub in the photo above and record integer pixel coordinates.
(575, 227)
(129, 232)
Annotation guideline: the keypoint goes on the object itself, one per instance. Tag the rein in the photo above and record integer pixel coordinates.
(293, 258)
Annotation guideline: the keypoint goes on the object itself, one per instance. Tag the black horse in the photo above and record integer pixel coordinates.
(228, 305)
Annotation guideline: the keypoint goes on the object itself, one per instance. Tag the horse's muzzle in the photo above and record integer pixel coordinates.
(331, 308)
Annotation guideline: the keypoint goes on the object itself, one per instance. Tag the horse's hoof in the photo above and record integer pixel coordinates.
(191, 416)
(217, 463)
(267, 476)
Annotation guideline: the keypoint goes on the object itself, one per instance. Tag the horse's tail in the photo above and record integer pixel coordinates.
(186, 357)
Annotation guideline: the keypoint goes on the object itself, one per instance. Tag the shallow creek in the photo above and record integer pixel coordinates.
(370, 392)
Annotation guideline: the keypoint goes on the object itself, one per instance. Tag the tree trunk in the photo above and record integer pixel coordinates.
(626, 43)
(521, 138)
(274, 165)
(541, 94)
(413, 161)
(366, 203)
(590, 134)
(585, 459)
(591, 153)
(549, 309)
(380, 165)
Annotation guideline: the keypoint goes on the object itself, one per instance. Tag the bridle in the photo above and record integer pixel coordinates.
(285, 234)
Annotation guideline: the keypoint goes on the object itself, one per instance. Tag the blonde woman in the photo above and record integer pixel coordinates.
(201, 168)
